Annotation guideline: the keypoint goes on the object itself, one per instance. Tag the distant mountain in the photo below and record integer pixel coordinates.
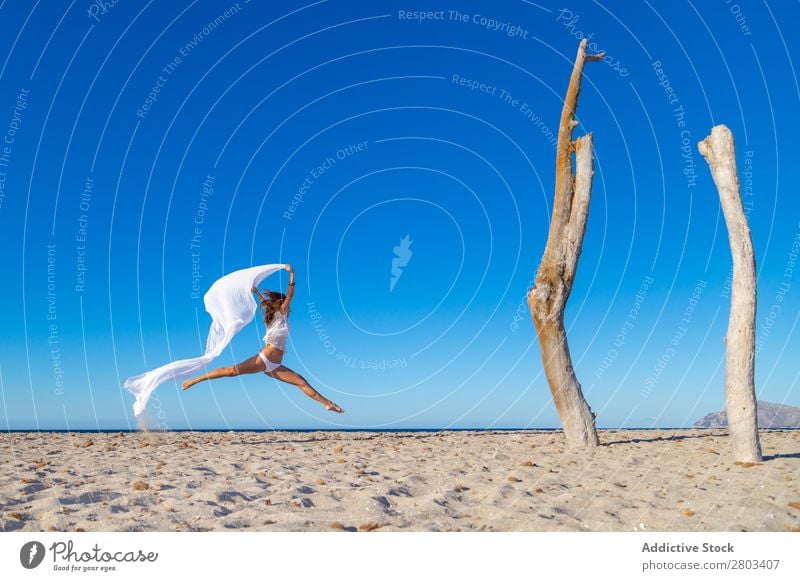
(770, 415)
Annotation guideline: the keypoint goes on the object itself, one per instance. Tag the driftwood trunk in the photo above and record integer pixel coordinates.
(740, 396)
(548, 298)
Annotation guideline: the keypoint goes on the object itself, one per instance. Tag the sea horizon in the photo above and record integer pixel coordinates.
(371, 430)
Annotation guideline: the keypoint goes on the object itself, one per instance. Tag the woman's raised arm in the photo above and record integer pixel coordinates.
(289, 291)
(261, 298)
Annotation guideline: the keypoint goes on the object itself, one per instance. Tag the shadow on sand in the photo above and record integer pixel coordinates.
(663, 438)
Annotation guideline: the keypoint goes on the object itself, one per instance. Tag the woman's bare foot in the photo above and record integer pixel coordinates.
(334, 408)
(187, 384)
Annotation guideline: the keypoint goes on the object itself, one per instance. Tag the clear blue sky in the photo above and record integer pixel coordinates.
(325, 132)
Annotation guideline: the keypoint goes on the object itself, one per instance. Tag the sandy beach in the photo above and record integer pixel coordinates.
(673, 480)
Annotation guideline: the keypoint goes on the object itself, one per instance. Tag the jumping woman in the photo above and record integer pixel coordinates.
(275, 307)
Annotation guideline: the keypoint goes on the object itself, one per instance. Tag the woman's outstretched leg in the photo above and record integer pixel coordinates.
(293, 378)
(252, 365)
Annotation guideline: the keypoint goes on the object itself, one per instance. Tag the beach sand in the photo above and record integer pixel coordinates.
(649, 480)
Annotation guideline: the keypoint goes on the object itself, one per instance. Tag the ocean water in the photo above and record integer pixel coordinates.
(396, 430)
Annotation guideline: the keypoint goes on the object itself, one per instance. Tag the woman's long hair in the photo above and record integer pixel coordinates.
(271, 304)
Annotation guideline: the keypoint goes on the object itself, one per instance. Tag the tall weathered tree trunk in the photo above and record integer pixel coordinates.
(740, 351)
(556, 274)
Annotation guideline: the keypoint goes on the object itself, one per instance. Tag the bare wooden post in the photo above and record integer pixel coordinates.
(548, 298)
(740, 395)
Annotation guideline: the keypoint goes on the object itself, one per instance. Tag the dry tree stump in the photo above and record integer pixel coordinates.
(740, 349)
(554, 279)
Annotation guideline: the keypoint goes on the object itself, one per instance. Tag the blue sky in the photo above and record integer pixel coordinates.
(152, 147)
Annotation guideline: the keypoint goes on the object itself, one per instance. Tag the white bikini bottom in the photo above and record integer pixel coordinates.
(270, 365)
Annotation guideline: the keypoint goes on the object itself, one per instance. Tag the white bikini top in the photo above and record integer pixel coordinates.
(278, 331)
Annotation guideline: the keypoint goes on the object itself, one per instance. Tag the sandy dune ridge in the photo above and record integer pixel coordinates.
(646, 480)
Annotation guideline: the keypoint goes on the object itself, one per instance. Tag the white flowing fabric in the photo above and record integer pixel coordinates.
(231, 305)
